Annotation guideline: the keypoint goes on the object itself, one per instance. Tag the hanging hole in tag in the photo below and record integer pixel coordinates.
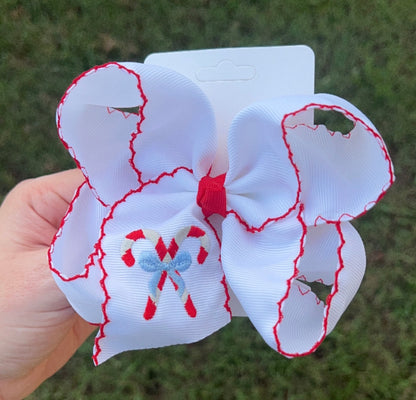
(226, 70)
(334, 121)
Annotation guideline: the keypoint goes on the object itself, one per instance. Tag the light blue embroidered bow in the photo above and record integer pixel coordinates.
(150, 262)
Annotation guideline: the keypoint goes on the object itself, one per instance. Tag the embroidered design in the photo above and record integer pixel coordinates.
(167, 262)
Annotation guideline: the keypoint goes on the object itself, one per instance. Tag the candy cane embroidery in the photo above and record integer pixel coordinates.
(167, 262)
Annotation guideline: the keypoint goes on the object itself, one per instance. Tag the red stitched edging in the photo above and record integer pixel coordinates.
(59, 231)
(162, 175)
(71, 149)
(354, 119)
(335, 289)
(139, 131)
(290, 280)
(375, 134)
(337, 224)
(329, 298)
(316, 127)
(309, 290)
(226, 305)
(260, 228)
(58, 234)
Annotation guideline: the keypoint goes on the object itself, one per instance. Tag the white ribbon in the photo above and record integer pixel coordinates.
(276, 222)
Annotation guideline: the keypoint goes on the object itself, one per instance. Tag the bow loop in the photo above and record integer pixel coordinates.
(150, 262)
(181, 262)
(116, 117)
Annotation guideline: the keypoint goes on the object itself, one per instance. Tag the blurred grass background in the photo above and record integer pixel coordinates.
(365, 52)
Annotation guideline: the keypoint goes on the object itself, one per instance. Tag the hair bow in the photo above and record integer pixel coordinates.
(155, 246)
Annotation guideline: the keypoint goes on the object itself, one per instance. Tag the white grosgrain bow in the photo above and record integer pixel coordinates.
(152, 242)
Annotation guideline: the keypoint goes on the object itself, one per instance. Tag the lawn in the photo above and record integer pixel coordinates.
(365, 52)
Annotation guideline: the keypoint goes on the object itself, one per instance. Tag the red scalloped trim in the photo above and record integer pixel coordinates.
(252, 228)
(309, 290)
(106, 319)
(289, 282)
(354, 119)
(224, 279)
(138, 131)
(316, 127)
(162, 175)
(227, 296)
(337, 224)
(335, 290)
(126, 115)
(58, 234)
(134, 134)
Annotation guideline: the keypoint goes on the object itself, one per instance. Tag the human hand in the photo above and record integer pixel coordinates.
(39, 331)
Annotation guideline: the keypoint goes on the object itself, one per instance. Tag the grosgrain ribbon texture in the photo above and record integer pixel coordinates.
(153, 248)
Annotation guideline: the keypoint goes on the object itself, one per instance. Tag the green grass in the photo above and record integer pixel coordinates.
(365, 52)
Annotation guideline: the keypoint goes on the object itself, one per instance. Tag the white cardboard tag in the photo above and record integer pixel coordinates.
(233, 78)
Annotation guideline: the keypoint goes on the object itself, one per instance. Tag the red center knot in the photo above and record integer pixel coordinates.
(211, 195)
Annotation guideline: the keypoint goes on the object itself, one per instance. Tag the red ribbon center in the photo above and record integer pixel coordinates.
(211, 195)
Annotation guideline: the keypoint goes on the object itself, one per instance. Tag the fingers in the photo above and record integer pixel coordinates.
(52, 195)
(62, 183)
(32, 212)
